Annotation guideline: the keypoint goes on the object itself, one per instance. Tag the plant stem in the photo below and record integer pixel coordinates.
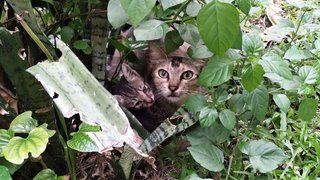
(34, 37)
(181, 9)
(294, 35)
(233, 151)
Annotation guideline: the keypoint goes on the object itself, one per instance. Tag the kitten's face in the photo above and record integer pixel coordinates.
(175, 79)
(135, 93)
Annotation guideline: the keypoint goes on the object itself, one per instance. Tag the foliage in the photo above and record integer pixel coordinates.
(259, 118)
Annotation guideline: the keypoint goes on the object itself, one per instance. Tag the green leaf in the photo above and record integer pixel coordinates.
(5, 136)
(216, 133)
(252, 44)
(47, 174)
(81, 44)
(190, 34)
(137, 10)
(67, 34)
(199, 52)
(18, 148)
(207, 116)
(308, 74)
(244, 6)
(217, 71)
(4, 173)
(208, 156)
(237, 103)
(23, 123)
(238, 42)
(193, 9)
(82, 142)
(196, 102)
(258, 101)
(273, 63)
(220, 95)
(227, 118)
(296, 54)
(307, 109)
(252, 76)
(218, 25)
(116, 14)
(84, 127)
(172, 41)
(282, 102)
(264, 156)
(169, 3)
(150, 30)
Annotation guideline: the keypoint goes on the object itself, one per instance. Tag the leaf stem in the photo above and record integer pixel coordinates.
(34, 37)
(294, 35)
(181, 9)
(233, 150)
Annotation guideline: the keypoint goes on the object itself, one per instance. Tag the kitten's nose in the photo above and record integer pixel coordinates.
(173, 88)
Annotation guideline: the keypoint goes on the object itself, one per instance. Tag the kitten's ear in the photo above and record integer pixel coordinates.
(155, 51)
(120, 99)
(129, 74)
(199, 64)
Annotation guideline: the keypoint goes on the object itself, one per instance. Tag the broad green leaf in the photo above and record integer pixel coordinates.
(84, 127)
(218, 25)
(137, 10)
(67, 34)
(237, 44)
(264, 156)
(296, 54)
(244, 6)
(49, 131)
(150, 30)
(227, 118)
(308, 74)
(207, 116)
(17, 150)
(47, 174)
(5, 136)
(208, 156)
(81, 44)
(258, 101)
(78, 92)
(237, 103)
(280, 31)
(172, 41)
(273, 63)
(220, 95)
(282, 102)
(193, 8)
(252, 76)
(252, 44)
(116, 14)
(4, 173)
(169, 3)
(199, 52)
(196, 102)
(190, 34)
(82, 142)
(23, 123)
(217, 71)
(216, 133)
(307, 109)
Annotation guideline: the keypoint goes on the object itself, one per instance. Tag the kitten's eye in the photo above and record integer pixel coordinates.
(187, 75)
(145, 88)
(163, 73)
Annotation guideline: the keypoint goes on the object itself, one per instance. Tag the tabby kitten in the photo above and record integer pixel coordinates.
(132, 91)
(173, 78)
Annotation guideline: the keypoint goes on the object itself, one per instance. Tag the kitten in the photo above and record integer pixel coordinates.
(132, 91)
(173, 78)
